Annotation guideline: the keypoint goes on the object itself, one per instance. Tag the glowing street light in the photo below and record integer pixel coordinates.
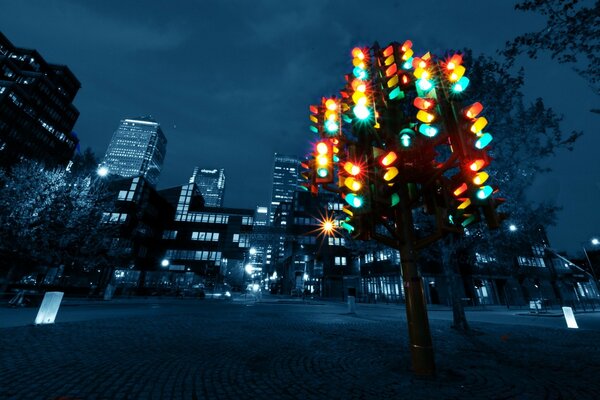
(164, 262)
(512, 227)
(102, 171)
(249, 268)
(252, 251)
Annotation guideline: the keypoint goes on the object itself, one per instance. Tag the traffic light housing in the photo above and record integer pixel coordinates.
(323, 162)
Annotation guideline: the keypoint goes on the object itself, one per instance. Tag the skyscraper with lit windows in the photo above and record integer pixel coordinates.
(211, 183)
(138, 147)
(286, 178)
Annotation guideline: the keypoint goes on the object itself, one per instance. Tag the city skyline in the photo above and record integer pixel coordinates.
(197, 112)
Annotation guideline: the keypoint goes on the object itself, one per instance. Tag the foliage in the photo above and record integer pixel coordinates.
(85, 164)
(52, 217)
(571, 35)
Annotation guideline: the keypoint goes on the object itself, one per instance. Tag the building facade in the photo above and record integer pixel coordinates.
(286, 178)
(208, 244)
(211, 183)
(137, 148)
(36, 108)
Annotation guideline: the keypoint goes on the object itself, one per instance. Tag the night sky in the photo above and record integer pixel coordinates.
(231, 81)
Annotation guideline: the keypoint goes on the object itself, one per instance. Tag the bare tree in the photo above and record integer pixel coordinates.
(571, 35)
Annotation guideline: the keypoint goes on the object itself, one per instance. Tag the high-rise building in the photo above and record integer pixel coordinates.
(211, 183)
(36, 111)
(138, 147)
(286, 178)
(261, 216)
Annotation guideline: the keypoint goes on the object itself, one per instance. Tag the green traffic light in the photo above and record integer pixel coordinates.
(483, 141)
(396, 94)
(347, 226)
(484, 192)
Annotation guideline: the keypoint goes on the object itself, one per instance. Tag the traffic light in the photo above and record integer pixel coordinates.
(454, 72)
(354, 186)
(332, 120)
(406, 137)
(316, 119)
(424, 74)
(360, 91)
(426, 115)
(323, 165)
(388, 61)
(306, 173)
(461, 209)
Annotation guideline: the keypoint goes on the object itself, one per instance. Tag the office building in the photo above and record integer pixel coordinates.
(210, 243)
(36, 111)
(137, 148)
(211, 183)
(286, 178)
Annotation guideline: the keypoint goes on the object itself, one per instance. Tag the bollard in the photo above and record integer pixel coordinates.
(352, 300)
(352, 304)
(570, 318)
(49, 308)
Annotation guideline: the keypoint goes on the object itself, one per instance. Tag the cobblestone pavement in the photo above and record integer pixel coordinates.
(208, 350)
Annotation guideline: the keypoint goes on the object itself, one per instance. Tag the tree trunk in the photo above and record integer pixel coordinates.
(9, 278)
(449, 266)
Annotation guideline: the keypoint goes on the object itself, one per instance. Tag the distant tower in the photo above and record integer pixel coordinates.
(286, 178)
(211, 183)
(138, 147)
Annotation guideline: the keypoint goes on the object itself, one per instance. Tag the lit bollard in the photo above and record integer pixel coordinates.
(49, 308)
(570, 317)
(352, 300)
(108, 292)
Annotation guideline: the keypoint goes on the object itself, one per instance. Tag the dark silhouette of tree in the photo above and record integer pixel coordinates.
(85, 164)
(50, 217)
(571, 35)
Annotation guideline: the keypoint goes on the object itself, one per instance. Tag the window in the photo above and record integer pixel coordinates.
(206, 236)
(169, 234)
(336, 241)
(340, 261)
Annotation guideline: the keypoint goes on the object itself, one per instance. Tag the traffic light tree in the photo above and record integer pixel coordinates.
(398, 138)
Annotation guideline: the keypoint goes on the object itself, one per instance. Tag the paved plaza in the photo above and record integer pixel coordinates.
(284, 349)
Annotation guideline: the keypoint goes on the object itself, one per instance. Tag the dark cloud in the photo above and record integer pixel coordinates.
(231, 81)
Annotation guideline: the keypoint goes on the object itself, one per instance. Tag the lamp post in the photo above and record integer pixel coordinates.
(102, 171)
(594, 242)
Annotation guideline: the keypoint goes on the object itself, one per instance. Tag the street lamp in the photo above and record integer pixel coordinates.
(165, 263)
(249, 268)
(594, 242)
(102, 171)
(512, 227)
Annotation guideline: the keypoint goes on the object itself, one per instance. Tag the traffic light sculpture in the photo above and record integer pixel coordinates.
(398, 138)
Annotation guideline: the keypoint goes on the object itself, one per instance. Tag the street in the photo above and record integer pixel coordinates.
(285, 348)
